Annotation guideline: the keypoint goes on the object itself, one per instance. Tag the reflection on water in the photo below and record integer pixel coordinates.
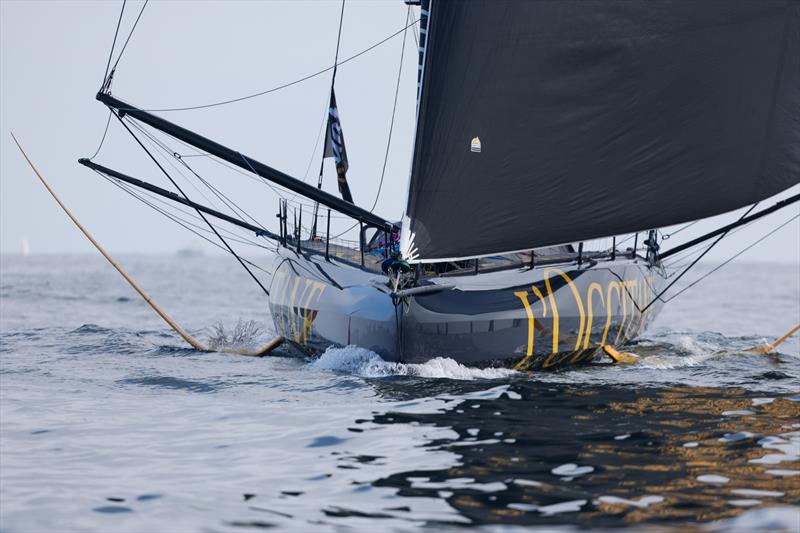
(608, 456)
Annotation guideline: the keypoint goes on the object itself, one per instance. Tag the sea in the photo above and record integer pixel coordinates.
(109, 423)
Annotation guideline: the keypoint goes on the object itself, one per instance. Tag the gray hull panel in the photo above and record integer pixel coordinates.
(526, 318)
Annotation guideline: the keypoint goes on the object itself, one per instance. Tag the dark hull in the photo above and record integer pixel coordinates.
(524, 318)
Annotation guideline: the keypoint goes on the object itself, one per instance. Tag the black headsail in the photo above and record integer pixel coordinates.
(547, 122)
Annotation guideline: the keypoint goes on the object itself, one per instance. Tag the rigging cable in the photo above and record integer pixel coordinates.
(330, 93)
(177, 210)
(235, 209)
(285, 85)
(730, 259)
(223, 198)
(241, 262)
(683, 260)
(113, 43)
(155, 142)
(394, 111)
(415, 33)
(172, 217)
(316, 143)
(124, 46)
(253, 175)
(666, 236)
(338, 41)
(693, 263)
(105, 77)
(277, 189)
(103, 139)
(391, 127)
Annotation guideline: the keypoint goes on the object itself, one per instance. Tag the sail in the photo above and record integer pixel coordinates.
(549, 122)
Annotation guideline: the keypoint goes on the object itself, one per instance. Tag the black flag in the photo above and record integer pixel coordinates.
(334, 147)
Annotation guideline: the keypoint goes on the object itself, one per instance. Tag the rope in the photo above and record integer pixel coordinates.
(767, 349)
(271, 345)
(185, 336)
(285, 85)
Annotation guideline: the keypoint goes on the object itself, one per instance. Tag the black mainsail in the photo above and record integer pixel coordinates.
(548, 122)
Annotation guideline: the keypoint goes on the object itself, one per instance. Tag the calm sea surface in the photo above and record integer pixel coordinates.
(108, 423)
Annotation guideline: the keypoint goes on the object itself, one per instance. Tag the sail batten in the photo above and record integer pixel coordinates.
(551, 122)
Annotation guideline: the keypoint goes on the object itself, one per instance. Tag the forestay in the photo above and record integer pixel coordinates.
(551, 122)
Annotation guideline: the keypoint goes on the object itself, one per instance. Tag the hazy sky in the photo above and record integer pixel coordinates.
(52, 58)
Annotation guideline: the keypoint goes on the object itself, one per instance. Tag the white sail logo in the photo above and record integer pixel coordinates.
(475, 145)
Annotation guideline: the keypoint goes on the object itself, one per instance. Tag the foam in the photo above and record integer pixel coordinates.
(679, 350)
(362, 362)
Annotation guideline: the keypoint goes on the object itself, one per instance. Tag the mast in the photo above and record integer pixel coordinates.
(245, 162)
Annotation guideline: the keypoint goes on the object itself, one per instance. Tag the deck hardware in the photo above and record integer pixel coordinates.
(361, 241)
(299, 228)
(328, 237)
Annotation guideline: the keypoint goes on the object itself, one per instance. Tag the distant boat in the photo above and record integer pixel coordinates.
(540, 126)
(26, 248)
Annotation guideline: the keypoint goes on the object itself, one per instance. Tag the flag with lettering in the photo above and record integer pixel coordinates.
(334, 147)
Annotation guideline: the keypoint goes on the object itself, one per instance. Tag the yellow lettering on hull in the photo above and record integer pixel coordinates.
(629, 293)
(593, 287)
(291, 301)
